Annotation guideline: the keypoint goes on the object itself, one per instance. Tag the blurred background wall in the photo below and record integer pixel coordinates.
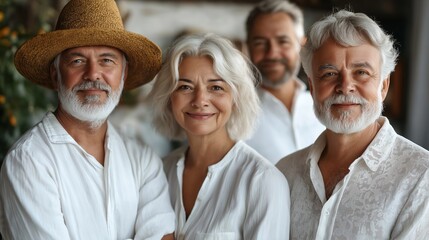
(163, 20)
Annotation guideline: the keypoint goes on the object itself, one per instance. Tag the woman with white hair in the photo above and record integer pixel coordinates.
(220, 187)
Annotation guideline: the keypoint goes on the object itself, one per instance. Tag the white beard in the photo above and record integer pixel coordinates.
(288, 75)
(371, 111)
(91, 109)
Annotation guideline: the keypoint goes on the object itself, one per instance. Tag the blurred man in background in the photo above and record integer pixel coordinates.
(275, 34)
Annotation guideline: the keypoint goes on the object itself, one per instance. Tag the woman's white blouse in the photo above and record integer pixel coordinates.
(242, 197)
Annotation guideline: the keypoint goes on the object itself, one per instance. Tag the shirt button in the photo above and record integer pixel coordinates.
(326, 212)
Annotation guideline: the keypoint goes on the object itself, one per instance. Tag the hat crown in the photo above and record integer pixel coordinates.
(103, 14)
(88, 23)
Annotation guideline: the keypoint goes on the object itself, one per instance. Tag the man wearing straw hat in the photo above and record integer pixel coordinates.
(72, 176)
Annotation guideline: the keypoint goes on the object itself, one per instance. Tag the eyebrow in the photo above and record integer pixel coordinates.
(279, 37)
(354, 65)
(362, 65)
(327, 66)
(185, 80)
(210, 80)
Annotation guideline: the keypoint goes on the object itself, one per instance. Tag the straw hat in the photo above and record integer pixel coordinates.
(88, 23)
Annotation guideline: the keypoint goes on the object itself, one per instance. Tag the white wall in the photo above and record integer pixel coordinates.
(161, 22)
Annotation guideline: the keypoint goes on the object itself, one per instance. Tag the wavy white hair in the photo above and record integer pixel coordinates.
(229, 63)
(350, 29)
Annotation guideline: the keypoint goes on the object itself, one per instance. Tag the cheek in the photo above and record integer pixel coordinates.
(370, 92)
(256, 55)
(70, 79)
(291, 52)
(175, 103)
(374, 97)
(114, 80)
(321, 92)
(68, 84)
(226, 105)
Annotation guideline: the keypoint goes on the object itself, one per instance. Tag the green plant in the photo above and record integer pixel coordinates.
(22, 103)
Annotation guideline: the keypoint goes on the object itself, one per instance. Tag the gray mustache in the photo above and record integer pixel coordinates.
(281, 60)
(93, 85)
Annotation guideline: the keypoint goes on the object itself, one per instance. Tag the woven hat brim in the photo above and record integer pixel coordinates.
(34, 57)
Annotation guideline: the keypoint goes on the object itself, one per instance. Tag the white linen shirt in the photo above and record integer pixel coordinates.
(384, 196)
(242, 197)
(51, 188)
(280, 132)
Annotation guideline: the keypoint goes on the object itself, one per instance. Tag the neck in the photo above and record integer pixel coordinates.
(348, 147)
(340, 152)
(207, 150)
(285, 92)
(90, 138)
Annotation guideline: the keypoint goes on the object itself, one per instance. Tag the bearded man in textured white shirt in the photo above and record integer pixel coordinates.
(275, 33)
(72, 176)
(360, 179)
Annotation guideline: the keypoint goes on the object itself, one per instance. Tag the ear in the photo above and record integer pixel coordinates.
(126, 72)
(54, 76)
(310, 86)
(385, 87)
(303, 41)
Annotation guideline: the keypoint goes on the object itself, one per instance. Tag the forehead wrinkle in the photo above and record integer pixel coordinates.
(72, 54)
(280, 36)
(327, 66)
(216, 80)
(362, 65)
(106, 52)
(109, 54)
(185, 80)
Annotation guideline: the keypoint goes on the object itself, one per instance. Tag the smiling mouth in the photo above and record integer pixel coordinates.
(92, 90)
(200, 116)
(271, 65)
(345, 105)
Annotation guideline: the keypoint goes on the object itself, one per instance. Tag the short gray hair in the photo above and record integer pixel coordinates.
(229, 63)
(276, 6)
(350, 29)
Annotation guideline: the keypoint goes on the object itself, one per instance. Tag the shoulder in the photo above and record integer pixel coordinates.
(294, 163)
(305, 100)
(409, 155)
(392, 147)
(266, 98)
(29, 147)
(408, 149)
(249, 156)
(140, 155)
(170, 161)
(137, 148)
(257, 165)
(30, 159)
(303, 95)
(261, 174)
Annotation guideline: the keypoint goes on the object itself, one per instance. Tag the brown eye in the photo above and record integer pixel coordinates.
(184, 87)
(217, 88)
(329, 75)
(77, 61)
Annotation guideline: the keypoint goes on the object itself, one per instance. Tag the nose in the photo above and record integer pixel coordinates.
(201, 98)
(92, 71)
(345, 84)
(272, 50)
